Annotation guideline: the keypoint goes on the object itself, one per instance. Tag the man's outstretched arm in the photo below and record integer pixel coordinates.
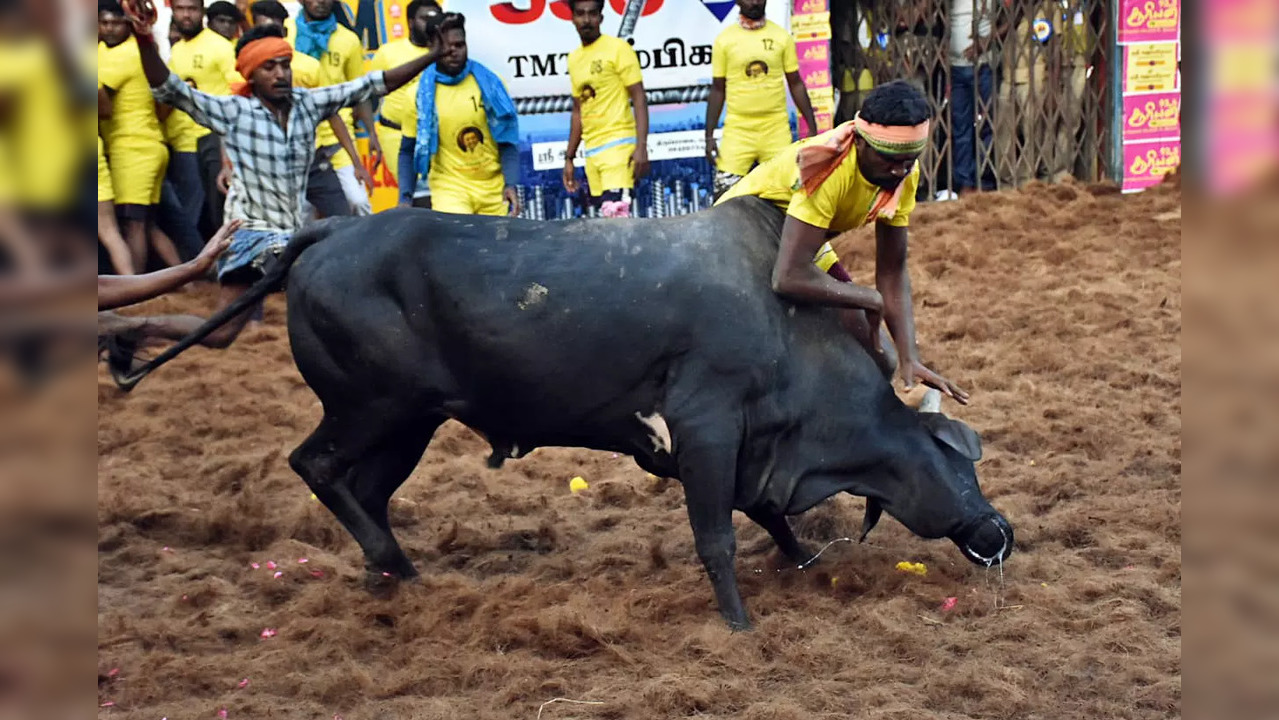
(119, 290)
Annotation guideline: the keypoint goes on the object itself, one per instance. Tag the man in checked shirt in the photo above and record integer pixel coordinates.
(268, 130)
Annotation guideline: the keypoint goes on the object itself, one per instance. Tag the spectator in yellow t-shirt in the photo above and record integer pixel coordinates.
(466, 139)
(316, 32)
(753, 62)
(864, 171)
(423, 16)
(206, 61)
(135, 148)
(610, 110)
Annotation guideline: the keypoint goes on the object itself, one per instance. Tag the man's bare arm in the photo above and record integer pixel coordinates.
(796, 277)
(714, 106)
(117, 291)
(799, 94)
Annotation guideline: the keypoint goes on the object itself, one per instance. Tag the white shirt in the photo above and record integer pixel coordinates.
(961, 28)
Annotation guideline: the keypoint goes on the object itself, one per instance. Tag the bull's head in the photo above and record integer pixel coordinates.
(935, 494)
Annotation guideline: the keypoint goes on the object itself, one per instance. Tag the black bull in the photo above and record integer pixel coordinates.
(661, 339)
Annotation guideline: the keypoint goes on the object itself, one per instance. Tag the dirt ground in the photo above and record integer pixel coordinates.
(1058, 307)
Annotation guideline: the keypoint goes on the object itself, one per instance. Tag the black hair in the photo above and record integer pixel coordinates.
(598, 3)
(270, 9)
(895, 103)
(257, 33)
(416, 5)
(110, 6)
(452, 21)
(222, 8)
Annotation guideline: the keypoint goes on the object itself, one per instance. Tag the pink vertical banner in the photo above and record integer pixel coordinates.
(810, 25)
(1152, 116)
(1146, 163)
(1142, 21)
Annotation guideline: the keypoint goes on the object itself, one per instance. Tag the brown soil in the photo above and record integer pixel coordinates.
(1058, 307)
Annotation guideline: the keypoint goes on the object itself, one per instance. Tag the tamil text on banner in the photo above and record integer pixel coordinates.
(1152, 116)
(1146, 163)
(1142, 21)
(529, 46)
(1150, 67)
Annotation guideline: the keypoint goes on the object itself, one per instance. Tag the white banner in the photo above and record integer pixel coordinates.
(661, 146)
(527, 41)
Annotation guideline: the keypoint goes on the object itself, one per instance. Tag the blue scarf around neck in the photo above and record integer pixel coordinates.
(313, 35)
(499, 110)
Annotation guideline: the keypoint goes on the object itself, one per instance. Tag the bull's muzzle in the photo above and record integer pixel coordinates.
(987, 540)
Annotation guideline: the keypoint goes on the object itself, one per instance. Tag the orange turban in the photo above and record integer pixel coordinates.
(252, 56)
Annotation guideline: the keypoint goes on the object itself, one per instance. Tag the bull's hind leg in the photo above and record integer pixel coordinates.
(354, 469)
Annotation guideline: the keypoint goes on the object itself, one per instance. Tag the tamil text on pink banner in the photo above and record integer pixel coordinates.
(1152, 116)
(1149, 20)
(1146, 163)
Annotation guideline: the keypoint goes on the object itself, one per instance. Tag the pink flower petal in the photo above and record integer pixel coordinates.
(278, 575)
(949, 604)
(222, 713)
(109, 703)
(167, 549)
(317, 573)
(113, 672)
(254, 565)
(243, 683)
(303, 561)
(386, 574)
(268, 633)
(270, 564)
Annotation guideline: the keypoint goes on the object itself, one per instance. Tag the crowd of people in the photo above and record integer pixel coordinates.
(263, 123)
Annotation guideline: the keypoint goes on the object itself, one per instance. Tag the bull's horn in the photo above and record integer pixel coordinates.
(873, 511)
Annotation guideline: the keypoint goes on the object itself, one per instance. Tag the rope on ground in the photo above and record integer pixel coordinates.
(555, 700)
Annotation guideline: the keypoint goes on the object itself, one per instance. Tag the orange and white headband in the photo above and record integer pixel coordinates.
(893, 139)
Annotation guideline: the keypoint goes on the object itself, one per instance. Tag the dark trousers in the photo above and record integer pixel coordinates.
(323, 189)
(174, 217)
(184, 173)
(963, 120)
(209, 158)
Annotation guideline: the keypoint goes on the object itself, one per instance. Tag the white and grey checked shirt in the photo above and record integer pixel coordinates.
(270, 165)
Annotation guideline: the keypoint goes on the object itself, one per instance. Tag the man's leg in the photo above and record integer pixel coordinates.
(175, 220)
(323, 189)
(209, 157)
(735, 159)
(963, 147)
(184, 174)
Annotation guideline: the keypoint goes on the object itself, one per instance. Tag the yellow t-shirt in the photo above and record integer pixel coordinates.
(466, 150)
(343, 60)
(306, 71)
(754, 64)
(839, 204)
(600, 73)
(133, 118)
(207, 63)
(396, 105)
(43, 155)
(180, 132)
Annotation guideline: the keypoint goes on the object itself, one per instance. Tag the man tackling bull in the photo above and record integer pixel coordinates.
(268, 127)
(864, 171)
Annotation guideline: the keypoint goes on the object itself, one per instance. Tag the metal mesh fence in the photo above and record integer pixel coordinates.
(1018, 87)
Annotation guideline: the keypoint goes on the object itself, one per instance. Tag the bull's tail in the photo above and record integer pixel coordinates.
(270, 282)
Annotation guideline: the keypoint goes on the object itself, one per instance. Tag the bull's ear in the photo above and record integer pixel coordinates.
(954, 433)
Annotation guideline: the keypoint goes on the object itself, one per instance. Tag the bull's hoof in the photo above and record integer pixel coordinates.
(384, 585)
(740, 626)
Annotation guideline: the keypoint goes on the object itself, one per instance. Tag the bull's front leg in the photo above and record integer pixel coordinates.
(708, 474)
